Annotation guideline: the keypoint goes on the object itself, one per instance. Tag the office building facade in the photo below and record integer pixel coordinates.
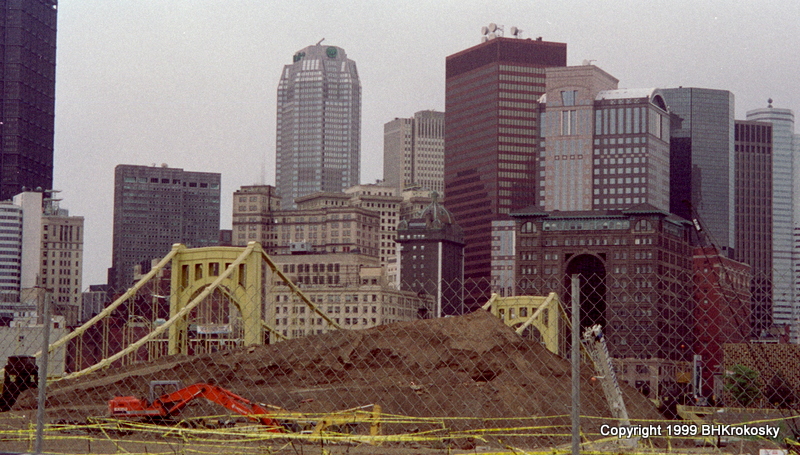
(604, 148)
(254, 207)
(62, 262)
(10, 254)
(156, 207)
(491, 139)
(347, 287)
(27, 95)
(722, 311)
(504, 259)
(413, 152)
(633, 266)
(567, 131)
(318, 146)
(702, 161)
(753, 217)
(785, 215)
(431, 258)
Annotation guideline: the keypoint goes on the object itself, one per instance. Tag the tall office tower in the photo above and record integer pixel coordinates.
(432, 257)
(632, 152)
(753, 217)
(567, 133)
(413, 151)
(491, 139)
(785, 170)
(318, 144)
(701, 160)
(156, 207)
(62, 260)
(27, 94)
(603, 148)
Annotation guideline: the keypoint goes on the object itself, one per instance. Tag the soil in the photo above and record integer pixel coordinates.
(470, 366)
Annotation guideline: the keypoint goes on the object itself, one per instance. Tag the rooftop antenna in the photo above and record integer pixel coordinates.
(320, 42)
(491, 32)
(516, 32)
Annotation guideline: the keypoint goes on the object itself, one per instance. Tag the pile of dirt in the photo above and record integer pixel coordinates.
(466, 366)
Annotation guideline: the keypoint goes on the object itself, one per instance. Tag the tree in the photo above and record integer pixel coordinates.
(779, 393)
(744, 385)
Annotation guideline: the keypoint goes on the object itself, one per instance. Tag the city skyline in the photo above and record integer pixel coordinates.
(153, 83)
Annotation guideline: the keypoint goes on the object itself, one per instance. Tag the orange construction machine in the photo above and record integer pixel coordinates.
(170, 404)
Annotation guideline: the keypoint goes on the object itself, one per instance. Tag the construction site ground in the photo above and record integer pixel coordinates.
(452, 385)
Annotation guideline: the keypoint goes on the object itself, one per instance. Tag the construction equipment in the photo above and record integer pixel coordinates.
(169, 405)
(595, 343)
(20, 374)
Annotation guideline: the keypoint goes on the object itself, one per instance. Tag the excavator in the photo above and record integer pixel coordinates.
(169, 405)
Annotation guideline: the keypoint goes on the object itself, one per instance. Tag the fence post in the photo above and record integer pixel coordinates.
(575, 358)
(43, 373)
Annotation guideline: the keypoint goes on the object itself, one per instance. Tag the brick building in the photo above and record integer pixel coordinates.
(635, 268)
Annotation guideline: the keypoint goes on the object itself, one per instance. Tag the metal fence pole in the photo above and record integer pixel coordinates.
(43, 374)
(576, 364)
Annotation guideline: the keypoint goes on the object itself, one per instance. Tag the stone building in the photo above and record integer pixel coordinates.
(635, 274)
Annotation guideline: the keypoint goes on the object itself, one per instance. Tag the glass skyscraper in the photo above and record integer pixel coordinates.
(785, 309)
(702, 160)
(27, 94)
(318, 146)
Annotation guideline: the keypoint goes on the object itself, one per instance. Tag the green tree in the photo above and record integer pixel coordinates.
(744, 385)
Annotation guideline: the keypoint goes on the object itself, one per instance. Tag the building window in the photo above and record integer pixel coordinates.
(568, 97)
(569, 123)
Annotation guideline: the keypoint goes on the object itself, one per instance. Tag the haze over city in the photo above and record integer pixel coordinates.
(193, 84)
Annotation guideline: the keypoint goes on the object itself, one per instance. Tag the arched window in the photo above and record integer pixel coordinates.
(643, 226)
(528, 228)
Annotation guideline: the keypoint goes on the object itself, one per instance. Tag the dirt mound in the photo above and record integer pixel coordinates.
(467, 366)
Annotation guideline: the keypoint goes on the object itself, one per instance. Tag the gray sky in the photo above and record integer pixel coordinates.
(193, 83)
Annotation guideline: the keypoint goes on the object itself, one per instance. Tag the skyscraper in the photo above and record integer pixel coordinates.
(318, 145)
(785, 308)
(491, 138)
(413, 151)
(753, 216)
(156, 207)
(604, 148)
(27, 94)
(702, 159)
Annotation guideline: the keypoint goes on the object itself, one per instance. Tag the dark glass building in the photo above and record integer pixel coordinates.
(491, 139)
(27, 94)
(156, 207)
(753, 215)
(702, 160)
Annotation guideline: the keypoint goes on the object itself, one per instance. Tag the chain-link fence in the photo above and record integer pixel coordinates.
(228, 355)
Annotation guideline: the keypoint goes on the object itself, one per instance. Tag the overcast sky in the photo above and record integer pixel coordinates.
(193, 83)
